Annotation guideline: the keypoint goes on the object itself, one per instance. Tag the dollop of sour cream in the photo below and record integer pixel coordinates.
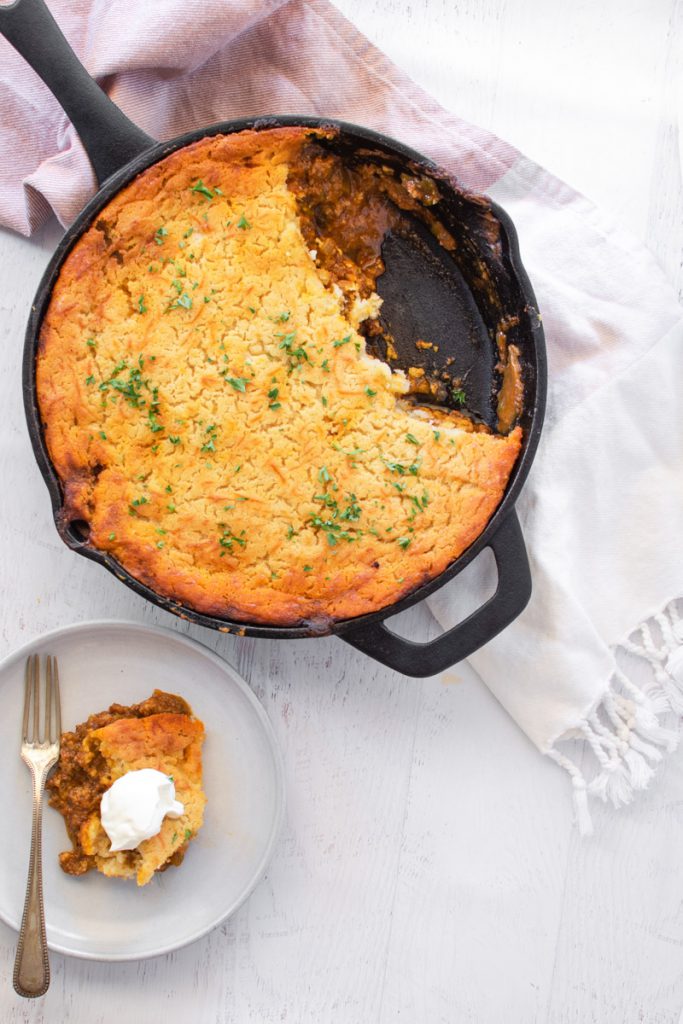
(134, 806)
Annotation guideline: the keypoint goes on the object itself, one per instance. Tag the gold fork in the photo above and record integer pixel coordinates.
(32, 967)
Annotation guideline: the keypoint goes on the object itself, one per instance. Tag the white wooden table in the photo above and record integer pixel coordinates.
(428, 870)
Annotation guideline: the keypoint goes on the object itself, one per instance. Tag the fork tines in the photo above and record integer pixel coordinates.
(53, 722)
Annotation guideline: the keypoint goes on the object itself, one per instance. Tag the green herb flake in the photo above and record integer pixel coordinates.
(296, 355)
(201, 189)
(228, 539)
(153, 422)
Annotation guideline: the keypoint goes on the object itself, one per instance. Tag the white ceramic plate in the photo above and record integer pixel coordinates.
(112, 919)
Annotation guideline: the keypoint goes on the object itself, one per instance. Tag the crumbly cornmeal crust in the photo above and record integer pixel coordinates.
(159, 733)
(212, 413)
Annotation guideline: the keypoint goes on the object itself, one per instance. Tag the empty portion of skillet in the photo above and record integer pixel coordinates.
(452, 312)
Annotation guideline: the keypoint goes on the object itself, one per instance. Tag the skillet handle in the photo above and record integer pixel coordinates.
(109, 138)
(427, 659)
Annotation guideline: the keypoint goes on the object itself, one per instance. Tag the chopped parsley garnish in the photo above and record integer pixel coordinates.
(401, 468)
(243, 223)
(228, 539)
(210, 445)
(331, 526)
(203, 190)
(153, 422)
(184, 301)
(142, 308)
(296, 355)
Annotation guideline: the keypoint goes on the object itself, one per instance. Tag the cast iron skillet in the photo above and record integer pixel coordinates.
(427, 293)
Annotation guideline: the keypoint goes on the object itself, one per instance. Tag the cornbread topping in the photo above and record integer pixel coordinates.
(160, 733)
(216, 422)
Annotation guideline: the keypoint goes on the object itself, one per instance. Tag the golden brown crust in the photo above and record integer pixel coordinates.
(159, 733)
(212, 414)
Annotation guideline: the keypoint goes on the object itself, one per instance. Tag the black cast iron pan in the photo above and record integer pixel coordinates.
(427, 293)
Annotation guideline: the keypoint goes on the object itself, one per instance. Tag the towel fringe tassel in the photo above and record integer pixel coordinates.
(624, 732)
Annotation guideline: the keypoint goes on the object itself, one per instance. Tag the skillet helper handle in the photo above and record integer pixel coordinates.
(109, 138)
(427, 659)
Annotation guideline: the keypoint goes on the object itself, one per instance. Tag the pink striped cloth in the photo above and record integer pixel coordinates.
(601, 511)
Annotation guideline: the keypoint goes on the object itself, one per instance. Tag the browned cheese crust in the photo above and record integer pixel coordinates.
(213, 416)
(159, 733)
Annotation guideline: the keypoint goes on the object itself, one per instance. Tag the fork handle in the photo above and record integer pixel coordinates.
(31, 966)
